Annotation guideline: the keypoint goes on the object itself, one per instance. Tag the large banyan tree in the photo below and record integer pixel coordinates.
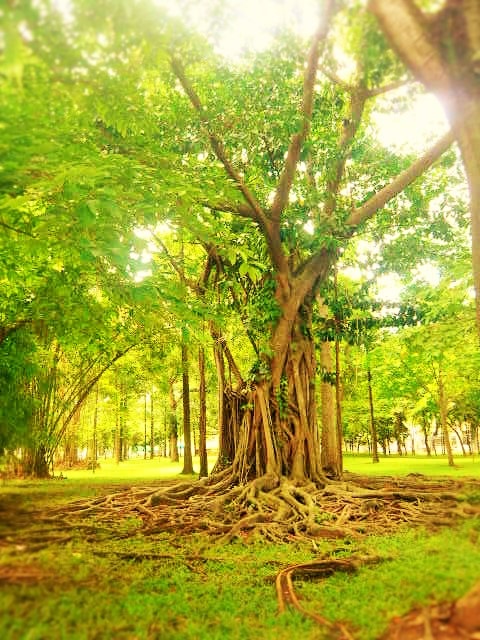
(291, 165)
(276, 152)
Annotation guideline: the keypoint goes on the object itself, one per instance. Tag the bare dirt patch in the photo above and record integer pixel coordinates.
(458, 620)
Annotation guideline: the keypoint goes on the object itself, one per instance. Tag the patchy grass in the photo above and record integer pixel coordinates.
(89, 584)
(419, 569)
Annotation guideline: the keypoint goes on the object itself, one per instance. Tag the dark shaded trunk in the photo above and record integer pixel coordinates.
(202, 417)
(338, 397)
(152, 425)
(230, 411)
(173, 425)
(34, 462)
(145, 427)
(71, 441)
(93, 454)
(187, 430)
(331, 463)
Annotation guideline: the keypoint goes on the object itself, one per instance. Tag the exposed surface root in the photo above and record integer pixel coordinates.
(280, 509)
(22, 574)
(447, 621)
(319, 569)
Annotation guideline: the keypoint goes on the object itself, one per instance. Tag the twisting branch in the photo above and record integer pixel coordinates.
(174, 263)
(253, 211)
(229, 207)
(15, 230)
(298, 139)
(391, 86)
(335, 78)
(256, 211)
(358, 98)
(398, 184)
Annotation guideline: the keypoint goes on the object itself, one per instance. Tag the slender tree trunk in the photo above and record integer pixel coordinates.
(442, 401)
(373, 426)
(202, 418)
(460, 439)
(173, 425)
(71, 441)
(425, 435)
(152, 424)
(165, 430)
(338, 396)
(187, 429)
(331, 463)
(230, 411)
(117, 437)
(94, 452)
(145, 427)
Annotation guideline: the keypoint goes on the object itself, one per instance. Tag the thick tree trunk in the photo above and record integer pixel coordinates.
(442, 52)
(202, 418)
(469, 141)
(34, 462)
(230, 410)
(187, 430)
(331, 463)
(279, 434)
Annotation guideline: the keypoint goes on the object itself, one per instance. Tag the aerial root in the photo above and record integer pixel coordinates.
(279, 509)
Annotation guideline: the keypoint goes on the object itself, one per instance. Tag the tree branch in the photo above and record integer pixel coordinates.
(407, 30)
(296, 143)
(228, 207)
(19, 231)
(256, 211)
(391, 86)
(335, 78)
(398, 184)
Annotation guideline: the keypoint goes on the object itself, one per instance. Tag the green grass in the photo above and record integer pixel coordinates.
(402, 465)
(81, 595)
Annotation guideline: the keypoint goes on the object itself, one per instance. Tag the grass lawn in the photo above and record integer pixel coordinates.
(402, 465)
(89, 584)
